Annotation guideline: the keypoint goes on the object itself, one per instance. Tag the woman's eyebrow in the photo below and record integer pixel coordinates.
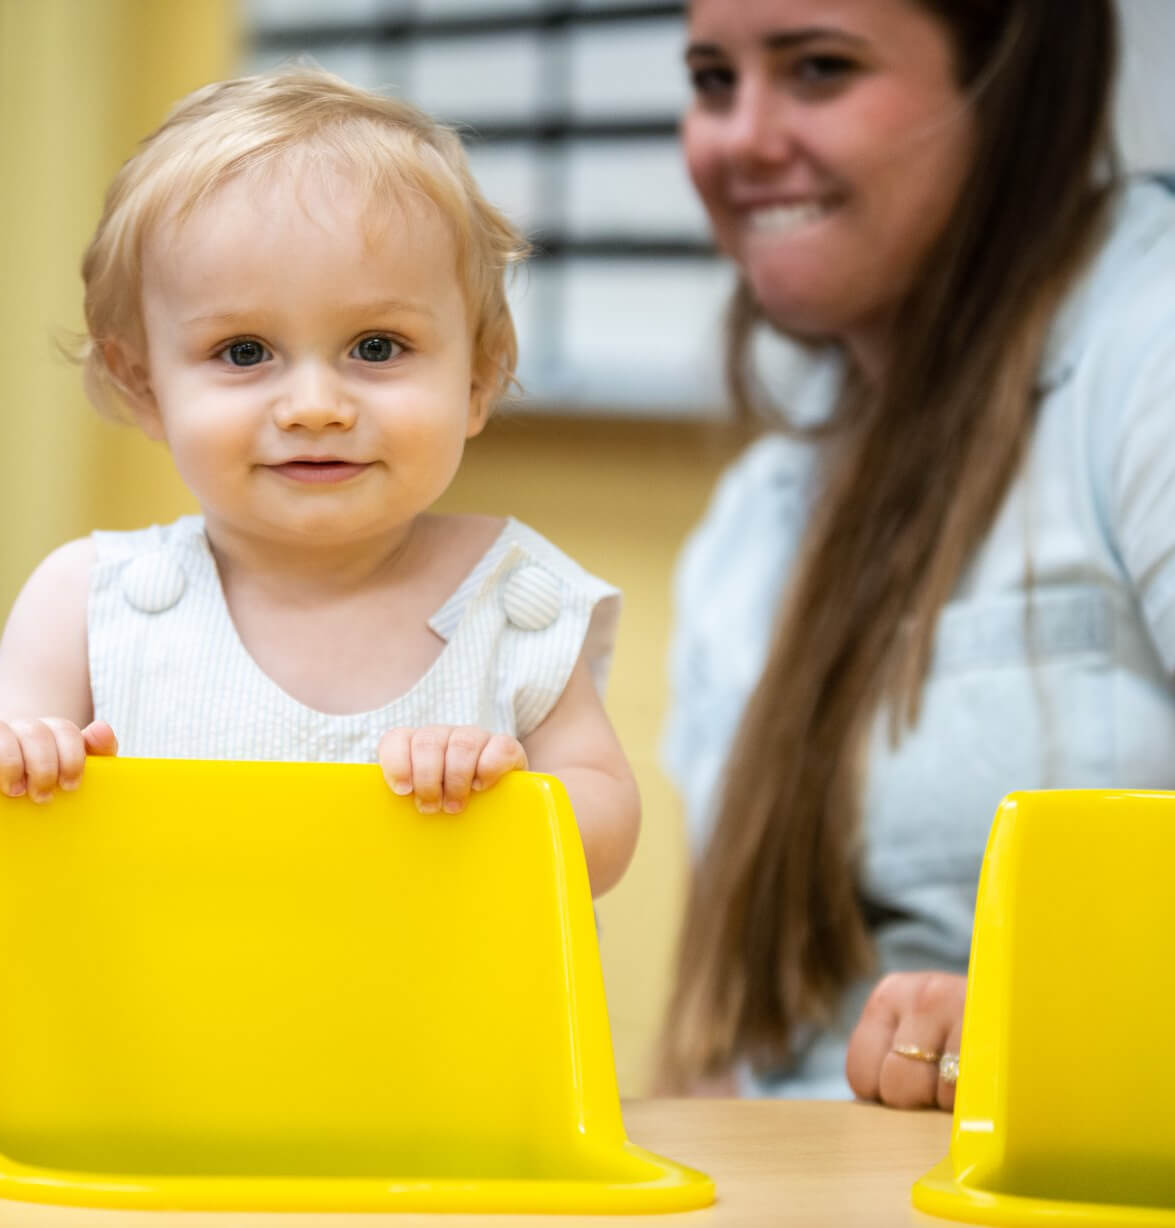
(810, 34)
(781, 40)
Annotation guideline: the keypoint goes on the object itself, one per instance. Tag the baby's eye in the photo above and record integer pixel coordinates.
(245, 353)
(378, 348)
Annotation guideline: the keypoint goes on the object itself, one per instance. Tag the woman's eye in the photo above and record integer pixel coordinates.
(376, 349)
(823, 69)
(244, 353)
(711, 81)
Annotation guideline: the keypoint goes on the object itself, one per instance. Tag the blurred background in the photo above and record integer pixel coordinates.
(570, 113)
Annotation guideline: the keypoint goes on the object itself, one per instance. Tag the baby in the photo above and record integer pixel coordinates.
(298, 288)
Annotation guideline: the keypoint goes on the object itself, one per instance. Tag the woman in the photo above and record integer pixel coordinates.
(952, 573)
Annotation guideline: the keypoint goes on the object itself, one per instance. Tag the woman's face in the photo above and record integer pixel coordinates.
(828, 140)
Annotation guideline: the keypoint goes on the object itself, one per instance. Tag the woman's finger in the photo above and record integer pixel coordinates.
(872, 1038)
(909, 1071)
(948, 1067)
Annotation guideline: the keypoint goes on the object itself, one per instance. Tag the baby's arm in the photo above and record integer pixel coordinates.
(577, 743)
(46, 710)
(440, 764)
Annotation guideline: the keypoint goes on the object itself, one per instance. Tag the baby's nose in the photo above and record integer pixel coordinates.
(314, 398)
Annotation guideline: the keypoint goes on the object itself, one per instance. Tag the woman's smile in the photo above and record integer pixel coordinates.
(786, 218)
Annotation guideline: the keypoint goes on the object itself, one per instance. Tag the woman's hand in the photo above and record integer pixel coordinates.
(38, 756)
(921, 1013)
(441, 764)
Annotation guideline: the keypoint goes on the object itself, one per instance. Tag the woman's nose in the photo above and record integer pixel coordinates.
(758, 128)
(314, 397)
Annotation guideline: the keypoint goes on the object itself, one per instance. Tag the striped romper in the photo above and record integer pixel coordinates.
(171, 676)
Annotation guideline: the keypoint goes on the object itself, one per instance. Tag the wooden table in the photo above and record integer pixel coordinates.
(814, 1164)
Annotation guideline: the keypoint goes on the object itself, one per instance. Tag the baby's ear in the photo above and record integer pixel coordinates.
(481, 402)
(128, 370)
(492, 378)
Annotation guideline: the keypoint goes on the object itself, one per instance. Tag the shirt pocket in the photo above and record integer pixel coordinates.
(1023, 630)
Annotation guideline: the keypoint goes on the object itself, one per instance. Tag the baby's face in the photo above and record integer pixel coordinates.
(311, 371)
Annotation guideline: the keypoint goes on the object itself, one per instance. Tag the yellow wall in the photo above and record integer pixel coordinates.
(80, 82)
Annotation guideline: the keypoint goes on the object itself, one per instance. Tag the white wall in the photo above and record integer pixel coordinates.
(1146, 96)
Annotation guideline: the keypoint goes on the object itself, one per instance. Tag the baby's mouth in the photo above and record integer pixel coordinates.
(325, 470)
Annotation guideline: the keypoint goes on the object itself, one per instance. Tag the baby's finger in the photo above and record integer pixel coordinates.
(71, 751)
(39, 749)
(428, 766)
(502, 754)
(466, 743)
(12, 782)
(395, 760)
(99, 739)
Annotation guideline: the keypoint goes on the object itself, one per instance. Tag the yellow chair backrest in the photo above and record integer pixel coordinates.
(278, 985)
(1063, 1112)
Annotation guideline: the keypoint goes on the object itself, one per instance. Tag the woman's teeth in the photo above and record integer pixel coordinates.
(782, 219)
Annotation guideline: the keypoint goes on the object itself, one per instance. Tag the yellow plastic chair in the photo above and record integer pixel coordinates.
(1065, 1105)
(278, 987)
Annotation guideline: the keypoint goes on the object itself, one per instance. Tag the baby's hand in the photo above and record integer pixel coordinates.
(38, 756)
(441, 763)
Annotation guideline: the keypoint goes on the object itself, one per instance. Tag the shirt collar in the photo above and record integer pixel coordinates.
(1140, 215)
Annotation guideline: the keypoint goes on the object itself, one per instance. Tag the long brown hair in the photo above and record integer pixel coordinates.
(912, 478)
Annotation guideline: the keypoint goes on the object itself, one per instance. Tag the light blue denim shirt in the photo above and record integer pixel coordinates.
(1064, 684)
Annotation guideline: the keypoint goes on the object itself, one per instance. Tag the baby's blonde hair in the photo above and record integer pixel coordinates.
(227, 129)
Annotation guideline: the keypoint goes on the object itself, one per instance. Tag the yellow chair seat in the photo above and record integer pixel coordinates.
(270, 986)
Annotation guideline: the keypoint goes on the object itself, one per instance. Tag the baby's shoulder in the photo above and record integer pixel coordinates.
(65, 570)
(51, 607)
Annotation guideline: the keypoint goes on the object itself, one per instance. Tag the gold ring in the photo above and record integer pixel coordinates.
(948, 1068)
(917, 1053)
